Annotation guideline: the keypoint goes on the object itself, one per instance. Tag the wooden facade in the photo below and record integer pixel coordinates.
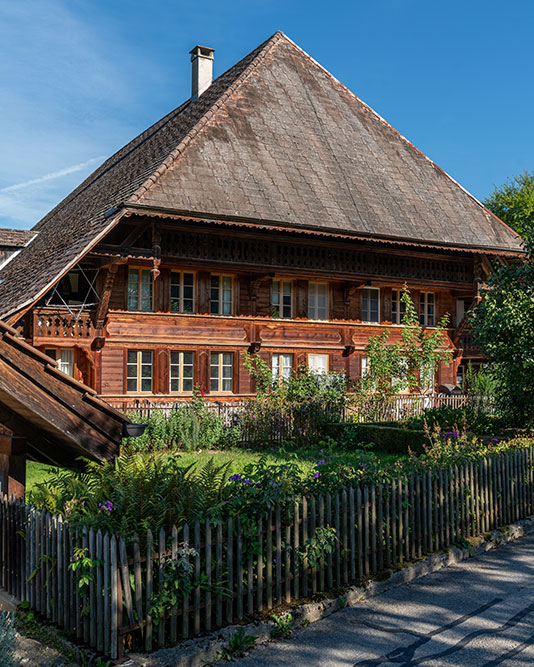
(102, 336)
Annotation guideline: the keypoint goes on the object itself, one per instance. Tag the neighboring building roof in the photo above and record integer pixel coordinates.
(15, 238)
(276, 138)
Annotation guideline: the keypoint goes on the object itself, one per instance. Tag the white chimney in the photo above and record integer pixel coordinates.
(202, 70)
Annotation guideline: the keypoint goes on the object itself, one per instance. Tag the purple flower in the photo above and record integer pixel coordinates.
(235, 478)
(495, 439)
(316, 475)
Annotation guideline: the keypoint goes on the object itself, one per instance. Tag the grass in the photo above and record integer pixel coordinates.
(239, 458)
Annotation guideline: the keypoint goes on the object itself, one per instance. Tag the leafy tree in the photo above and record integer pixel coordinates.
(503, 327)
(395, 367)
(513, 203)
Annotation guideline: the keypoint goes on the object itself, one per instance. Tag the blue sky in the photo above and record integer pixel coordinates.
(80, 78)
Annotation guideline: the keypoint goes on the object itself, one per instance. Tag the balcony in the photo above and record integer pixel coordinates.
(58, 323)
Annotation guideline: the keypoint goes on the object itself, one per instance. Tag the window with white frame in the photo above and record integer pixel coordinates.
(371, 305)
(182, 292)
(365, 367)
(140, 289)
(318, 363)
(221, 295)
(398, 307)
(318, 301)
(427, 309)
(282, 365)
(222, 372)
(139, 371)
(282, 298)
(401, 381)
(427, 378)
(64, 358)
(181, 372)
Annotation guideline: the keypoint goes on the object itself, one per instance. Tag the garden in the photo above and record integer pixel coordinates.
(201, 523)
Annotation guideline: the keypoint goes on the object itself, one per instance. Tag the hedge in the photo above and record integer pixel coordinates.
(385, 438)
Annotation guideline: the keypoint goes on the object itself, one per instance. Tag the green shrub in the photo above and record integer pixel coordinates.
(466, 418)
(383, 437)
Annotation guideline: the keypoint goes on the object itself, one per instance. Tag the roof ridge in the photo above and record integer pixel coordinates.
(175, 154)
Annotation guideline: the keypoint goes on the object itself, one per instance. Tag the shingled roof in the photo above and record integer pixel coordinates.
(15, 238)
(275, 139)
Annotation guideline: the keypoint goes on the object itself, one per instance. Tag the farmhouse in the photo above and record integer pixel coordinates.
(272, 212)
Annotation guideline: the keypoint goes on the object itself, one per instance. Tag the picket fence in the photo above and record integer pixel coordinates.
(238, 572)
(393, 408)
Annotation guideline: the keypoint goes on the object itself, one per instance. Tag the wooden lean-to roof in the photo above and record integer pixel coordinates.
(60, 418)
(276, 139)
(15, 238)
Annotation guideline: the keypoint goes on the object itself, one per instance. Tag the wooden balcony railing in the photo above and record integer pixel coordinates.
(59, 323)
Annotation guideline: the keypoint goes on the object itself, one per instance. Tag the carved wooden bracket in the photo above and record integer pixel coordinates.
(349, 349)
(350, 290)
(254, 347)
(103, 306)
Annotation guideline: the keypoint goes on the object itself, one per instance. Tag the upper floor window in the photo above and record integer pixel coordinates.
(427, 309)
(318, 363)
(140, 289)
(222, 372)
(398, 307)
(370, 304)
(139, 371)
(282, 366)
(221, 295)
(181, 375)
(182, 292)
(318, 301)
(281, 298)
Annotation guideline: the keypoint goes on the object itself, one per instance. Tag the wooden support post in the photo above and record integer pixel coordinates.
(13, 465)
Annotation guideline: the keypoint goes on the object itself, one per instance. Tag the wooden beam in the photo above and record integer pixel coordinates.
(13, 465)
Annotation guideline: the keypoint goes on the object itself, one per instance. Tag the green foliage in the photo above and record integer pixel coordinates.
(282, 628)
(292, 410)
(513, 203)
(319, 546)
(177, 582)
(190, 427)
(502, 325)
(480, 383)
(238, 645)
(7, 640)
(406, 364)
(466, 419)
(136, 492)
(389, 438)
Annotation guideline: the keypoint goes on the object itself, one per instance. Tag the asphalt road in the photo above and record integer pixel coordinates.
(478, 613)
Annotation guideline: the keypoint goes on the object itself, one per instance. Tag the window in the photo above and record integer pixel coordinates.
(182, 366)
(427, 378)
(221, 295)
(64, 358)
(427, 317)
(398, 307)
(140, 289)
(282, 366)
(222, 372)
(370, 304)
(318, 363)
(282, 298)
(365, 367)
(139, 371)
(182, 292)
(318, 301)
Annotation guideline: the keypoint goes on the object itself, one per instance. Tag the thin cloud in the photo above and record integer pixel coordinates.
(53, 175)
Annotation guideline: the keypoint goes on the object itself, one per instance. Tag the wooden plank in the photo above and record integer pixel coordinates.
(185, 598)
(230, 570)
(269, 561)
(99, 593)
(373, 530)
(239, 569)
(259, 567)
(218, 575)
(92, 592)
(418, 498)
(106, 583)
(313, 533)
(196, 594)
(60, 565)
(366, 533)
(345, 533)
(115, 601)
(149, 588)
(278, 541)
(126, 587)
(296, 563)
(352, 527)
(161, 584)
(173, 622)
(328, 523)
(339, 539)
(305, 563)
(287, 565)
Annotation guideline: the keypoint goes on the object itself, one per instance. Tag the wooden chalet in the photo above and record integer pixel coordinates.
(272, 212)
